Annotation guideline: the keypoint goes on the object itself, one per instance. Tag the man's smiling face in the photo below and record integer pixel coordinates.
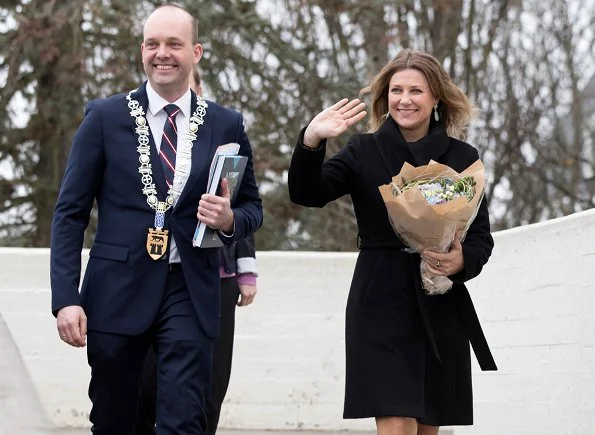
(168, 52)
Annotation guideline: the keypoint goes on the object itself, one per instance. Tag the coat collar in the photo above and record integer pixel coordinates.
(430, 147)
(157, 102)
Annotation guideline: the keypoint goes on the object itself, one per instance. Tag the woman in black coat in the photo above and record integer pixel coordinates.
(407, 353)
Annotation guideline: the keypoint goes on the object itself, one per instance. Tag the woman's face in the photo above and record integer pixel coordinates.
(410, 103)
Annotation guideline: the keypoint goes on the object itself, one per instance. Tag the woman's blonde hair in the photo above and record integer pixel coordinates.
(454, 108)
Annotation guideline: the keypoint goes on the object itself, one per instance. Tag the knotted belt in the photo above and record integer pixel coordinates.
(463, 303)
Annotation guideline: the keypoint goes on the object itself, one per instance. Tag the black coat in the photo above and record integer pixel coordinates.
(242, 249)
(447, 322)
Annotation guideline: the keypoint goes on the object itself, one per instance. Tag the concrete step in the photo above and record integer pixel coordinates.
(16, 389)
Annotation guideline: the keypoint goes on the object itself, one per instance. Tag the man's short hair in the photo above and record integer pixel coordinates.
(194, 21)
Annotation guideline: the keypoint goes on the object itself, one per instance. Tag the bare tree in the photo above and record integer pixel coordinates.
(525, 63)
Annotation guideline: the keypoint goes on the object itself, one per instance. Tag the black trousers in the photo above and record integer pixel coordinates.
(222, 360)
(185, 356)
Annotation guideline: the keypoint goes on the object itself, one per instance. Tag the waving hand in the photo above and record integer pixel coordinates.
(334, 121)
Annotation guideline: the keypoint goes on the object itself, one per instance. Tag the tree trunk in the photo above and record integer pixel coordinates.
(59, 105)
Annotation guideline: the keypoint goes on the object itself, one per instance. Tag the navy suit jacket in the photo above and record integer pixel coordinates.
(123, 287)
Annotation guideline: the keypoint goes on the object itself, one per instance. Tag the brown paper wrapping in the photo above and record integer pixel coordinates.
(424, 226)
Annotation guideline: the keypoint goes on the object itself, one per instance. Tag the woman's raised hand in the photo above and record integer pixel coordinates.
(334, 121)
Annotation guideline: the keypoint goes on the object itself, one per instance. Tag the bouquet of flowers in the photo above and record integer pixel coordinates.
(428, 205)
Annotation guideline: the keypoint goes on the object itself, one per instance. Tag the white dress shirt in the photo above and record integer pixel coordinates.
(156, 118)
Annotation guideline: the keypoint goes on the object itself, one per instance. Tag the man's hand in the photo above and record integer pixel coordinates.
(215, 211)
(247, 293)
(72, 325)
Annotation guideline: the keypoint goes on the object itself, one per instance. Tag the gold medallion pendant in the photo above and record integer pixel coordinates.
(156, 243)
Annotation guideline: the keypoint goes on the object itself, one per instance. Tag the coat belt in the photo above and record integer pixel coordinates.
(468, 317)
(472, 326)
(462, 301)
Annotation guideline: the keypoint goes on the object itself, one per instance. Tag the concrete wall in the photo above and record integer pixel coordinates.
(16, 390)
(536, 300)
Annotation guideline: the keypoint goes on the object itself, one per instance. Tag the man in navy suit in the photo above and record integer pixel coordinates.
(146, 163)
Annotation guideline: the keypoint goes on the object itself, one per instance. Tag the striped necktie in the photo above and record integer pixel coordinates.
(169, 142)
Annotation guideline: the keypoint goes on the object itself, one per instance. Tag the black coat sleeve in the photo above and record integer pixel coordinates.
(246, 247)
(314, 182)
(478, 244)
(240, 256)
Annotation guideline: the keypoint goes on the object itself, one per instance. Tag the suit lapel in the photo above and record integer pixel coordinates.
(158, 176)
(201, 150)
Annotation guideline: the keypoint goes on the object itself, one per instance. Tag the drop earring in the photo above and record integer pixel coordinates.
(436, 115)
